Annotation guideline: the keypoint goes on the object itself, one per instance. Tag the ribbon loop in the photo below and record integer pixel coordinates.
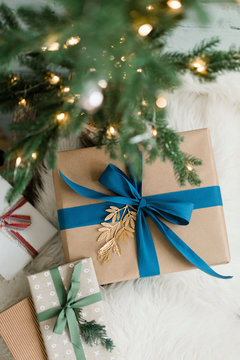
(175, 207)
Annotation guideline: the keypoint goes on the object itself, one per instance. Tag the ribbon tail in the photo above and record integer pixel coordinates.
(60, 323)
(146, 252)
(185, 250)
(74, 332)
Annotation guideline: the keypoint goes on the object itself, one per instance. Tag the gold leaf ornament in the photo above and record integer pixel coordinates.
(121, 226)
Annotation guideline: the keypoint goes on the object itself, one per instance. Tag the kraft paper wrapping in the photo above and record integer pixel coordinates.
(20, 331)
(45, 297)
(206, 233)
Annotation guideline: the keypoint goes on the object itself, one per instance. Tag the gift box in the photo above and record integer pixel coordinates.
(177, 227)
(68, 304)
(23, 232)
(20, 330)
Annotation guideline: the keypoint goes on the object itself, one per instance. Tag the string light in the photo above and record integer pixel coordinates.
(154, 132)
(139, 70)
(174, 4)
(149, 7)
(189, 167)
(61, 117)
(145, 29)
(18, 161)
(161, 102)
(54, 79)
(122, 39)
(123, 58)
(92, 69)
(14, 79)
(22, 102)
(199, 65)
(44, 48)
(139, 113)
(34, 155)
(66, 89)
(53, 47)
(144, 103)
(111, 131)
(71, 100)
(103, 84)
(74, 40)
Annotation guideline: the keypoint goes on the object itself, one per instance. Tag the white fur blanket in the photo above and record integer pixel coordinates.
(181, 316)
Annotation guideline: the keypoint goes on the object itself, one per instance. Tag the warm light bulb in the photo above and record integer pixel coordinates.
(18, 160)
(154, 132)
(44, 48)
(54, 79)
(61, 117)
(149, 7)
(74, 40)
(111, 131)
(66, 89)
(161, 102)
(95, 99)
(103, 84)
(174, 4)
(34, 155)
(189, 167)
(54, 46)
(144, 103)
(139, 113)
(123, 58)
(145, 29)
(22, 102)
(199, 65)
(139, 70)
(14, 79)
(71, 100)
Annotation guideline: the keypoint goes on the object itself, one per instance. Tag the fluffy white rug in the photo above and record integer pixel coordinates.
(182, 316)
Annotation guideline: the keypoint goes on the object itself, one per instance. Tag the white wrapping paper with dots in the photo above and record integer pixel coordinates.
(23, 233)
(45, 296)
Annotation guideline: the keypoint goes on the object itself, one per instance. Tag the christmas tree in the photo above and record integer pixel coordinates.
(101, 65)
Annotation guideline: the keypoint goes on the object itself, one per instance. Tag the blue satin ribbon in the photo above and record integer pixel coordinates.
(175, 207)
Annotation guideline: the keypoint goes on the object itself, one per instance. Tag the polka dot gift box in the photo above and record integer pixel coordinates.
(69, 309)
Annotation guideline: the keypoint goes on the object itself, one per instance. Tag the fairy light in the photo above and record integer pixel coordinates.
(22, 102)
(150, 7)
(139, 113)
(144, 103)
(44, 48)
(14, 79)
(95, 99)
(145, 29)
(154, 132)
(103, 84)
(199, 65)
(189, 167)
(18, 161)
(54, 79)
(61, 117)
(122, 39)
(71, 100)
(161, 102)
(139, 70)
(174, 4)
(92, 69)
(54, 46)
(111, 131)
(66, 89)
(123, 58)
(34, 155)
(74, 40)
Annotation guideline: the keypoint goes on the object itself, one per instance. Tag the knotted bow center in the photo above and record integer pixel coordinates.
(142, 203)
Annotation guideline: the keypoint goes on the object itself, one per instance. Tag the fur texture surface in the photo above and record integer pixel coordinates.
(181, 316)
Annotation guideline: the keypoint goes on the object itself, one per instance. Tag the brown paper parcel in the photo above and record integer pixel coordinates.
(45, 297)
(20, 331)
(206, 233)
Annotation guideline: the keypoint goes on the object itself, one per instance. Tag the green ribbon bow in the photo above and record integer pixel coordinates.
(65, 313)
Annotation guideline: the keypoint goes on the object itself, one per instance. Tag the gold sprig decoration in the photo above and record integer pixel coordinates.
(121, 227)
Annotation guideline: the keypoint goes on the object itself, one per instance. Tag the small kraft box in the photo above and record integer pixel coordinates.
(134, 230)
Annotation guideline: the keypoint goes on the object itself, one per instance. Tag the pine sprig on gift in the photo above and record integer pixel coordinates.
(93, 333)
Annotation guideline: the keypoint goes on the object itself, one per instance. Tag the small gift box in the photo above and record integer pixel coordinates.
(23, 232)
(20, 330)
(69, 309)
(101, 206)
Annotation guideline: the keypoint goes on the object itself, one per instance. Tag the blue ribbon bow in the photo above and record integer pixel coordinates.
(175, 207)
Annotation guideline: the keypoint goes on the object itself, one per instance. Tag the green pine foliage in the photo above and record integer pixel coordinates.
(96, 40)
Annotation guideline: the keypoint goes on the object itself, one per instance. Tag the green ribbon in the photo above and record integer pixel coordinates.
(65, 313)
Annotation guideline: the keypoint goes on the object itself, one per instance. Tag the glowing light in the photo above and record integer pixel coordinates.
(54, 46)
(92, 69)
(18, 160)
(122, 39)
(44, 48)
(189, 167)
(139, 113)
(123, 58)
(22, 102)
(149, 7)
(61, 117)
(66, 89)
(199, 65)
(139, 70)
(14, 79)
(95, 99)
(74, 40)
(54, 79)
(154, 132)
(174, 4)
(111, 131)
(71, 100)
(34, 155)
(144, 103)
(103, 84)
(161, 102)
(145, 29)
